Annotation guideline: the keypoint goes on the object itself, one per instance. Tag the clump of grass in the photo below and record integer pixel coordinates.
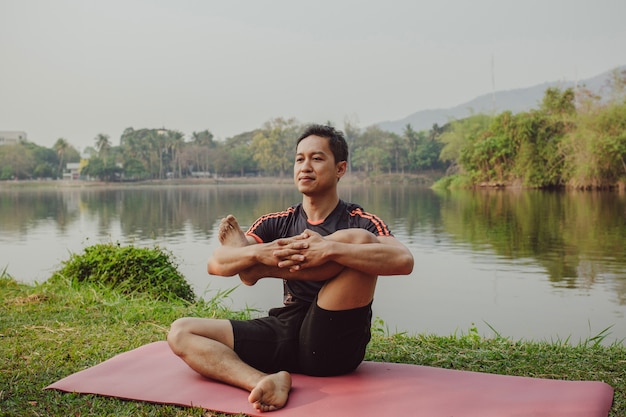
(129, 269)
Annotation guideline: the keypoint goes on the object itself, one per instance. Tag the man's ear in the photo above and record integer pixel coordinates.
(341, 169)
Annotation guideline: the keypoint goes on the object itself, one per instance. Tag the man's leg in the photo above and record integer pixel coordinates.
(335, 332)
(350, 288)
(207, 346)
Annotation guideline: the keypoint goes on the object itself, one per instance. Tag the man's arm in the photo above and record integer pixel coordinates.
(387, 257)
(253, 261)
(350, 248)
(228, 260)
(309, 256)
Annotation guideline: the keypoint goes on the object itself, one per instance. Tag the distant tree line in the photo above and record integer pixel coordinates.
(573, 139)
(269, 151)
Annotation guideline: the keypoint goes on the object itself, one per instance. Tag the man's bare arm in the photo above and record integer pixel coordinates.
(309, 256)
(261, 260)
(387, 257)
(227, 261)
(264, 258)
(351, 248)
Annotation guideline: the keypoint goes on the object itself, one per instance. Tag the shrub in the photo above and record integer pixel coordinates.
(128, 269)
(452, 182)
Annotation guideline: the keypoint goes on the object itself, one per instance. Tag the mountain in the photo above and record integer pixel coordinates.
(518, 100)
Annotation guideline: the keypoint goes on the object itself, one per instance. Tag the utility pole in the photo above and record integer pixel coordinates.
(493, 86)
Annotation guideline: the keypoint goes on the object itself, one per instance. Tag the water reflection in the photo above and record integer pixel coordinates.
(21, 210)
(497, 245)
(576, 236)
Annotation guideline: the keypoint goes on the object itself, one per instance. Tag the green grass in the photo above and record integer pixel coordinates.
(51, 330)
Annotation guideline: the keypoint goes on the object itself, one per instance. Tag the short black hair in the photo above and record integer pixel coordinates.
(336, 140)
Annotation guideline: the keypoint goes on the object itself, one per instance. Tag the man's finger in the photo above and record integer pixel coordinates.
(285, 253)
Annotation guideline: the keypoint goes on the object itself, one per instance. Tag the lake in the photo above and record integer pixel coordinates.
(532, 265)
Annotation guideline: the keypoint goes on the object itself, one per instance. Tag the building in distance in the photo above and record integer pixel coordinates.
(11, 137)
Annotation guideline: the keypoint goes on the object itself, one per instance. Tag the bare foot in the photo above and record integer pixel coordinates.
(230, 233)
(272, 392)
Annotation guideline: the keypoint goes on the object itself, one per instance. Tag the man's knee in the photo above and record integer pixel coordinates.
(185, 331)
(354, 236)
(176, 335)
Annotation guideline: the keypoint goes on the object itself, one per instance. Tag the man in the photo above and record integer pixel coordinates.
(329, 254)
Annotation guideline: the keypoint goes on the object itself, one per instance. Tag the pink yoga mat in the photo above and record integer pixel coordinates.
(154, 374)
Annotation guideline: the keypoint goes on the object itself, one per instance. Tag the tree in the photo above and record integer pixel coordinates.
(397, 147)
(490, 155)
(371, 150)
(105, 170)
(133, 169)
(17, 161)
(273, 145)
(175, 141)
(426, 154)
(199, 152)
(203, 138)
(136, 146)
(60, 147)
(411, 137)
(103, 144)
(240, 154)
(523, 148)
(240, 157)
(557, 102)
(351, 133)
(594, 152)
(460, 134)
(46, 160)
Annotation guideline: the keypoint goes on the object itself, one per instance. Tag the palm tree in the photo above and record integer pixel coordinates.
(175, 142)
(103, 145)
(60, 147)
(204, 138)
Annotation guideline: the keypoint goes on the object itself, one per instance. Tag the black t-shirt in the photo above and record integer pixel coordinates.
(294, 221)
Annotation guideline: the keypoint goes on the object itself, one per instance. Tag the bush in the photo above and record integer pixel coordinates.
(452, 182)
(128, 269)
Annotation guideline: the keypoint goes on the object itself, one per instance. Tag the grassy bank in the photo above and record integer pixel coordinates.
(51, 330)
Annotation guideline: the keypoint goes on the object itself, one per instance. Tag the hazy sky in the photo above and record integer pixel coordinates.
(76, 68)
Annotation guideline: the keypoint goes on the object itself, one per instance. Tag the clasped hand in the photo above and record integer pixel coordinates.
(300, 251)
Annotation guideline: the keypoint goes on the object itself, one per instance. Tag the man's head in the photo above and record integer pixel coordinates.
(336, 141)
(321, 160)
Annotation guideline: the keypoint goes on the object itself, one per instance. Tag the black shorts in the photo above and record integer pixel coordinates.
(304, 338)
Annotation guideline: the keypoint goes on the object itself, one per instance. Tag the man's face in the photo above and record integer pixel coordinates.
(314, 169)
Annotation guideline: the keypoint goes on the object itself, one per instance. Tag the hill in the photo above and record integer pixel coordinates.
(517, 100)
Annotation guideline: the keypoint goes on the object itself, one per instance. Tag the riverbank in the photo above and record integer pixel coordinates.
(426, 179)
(49, 331)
